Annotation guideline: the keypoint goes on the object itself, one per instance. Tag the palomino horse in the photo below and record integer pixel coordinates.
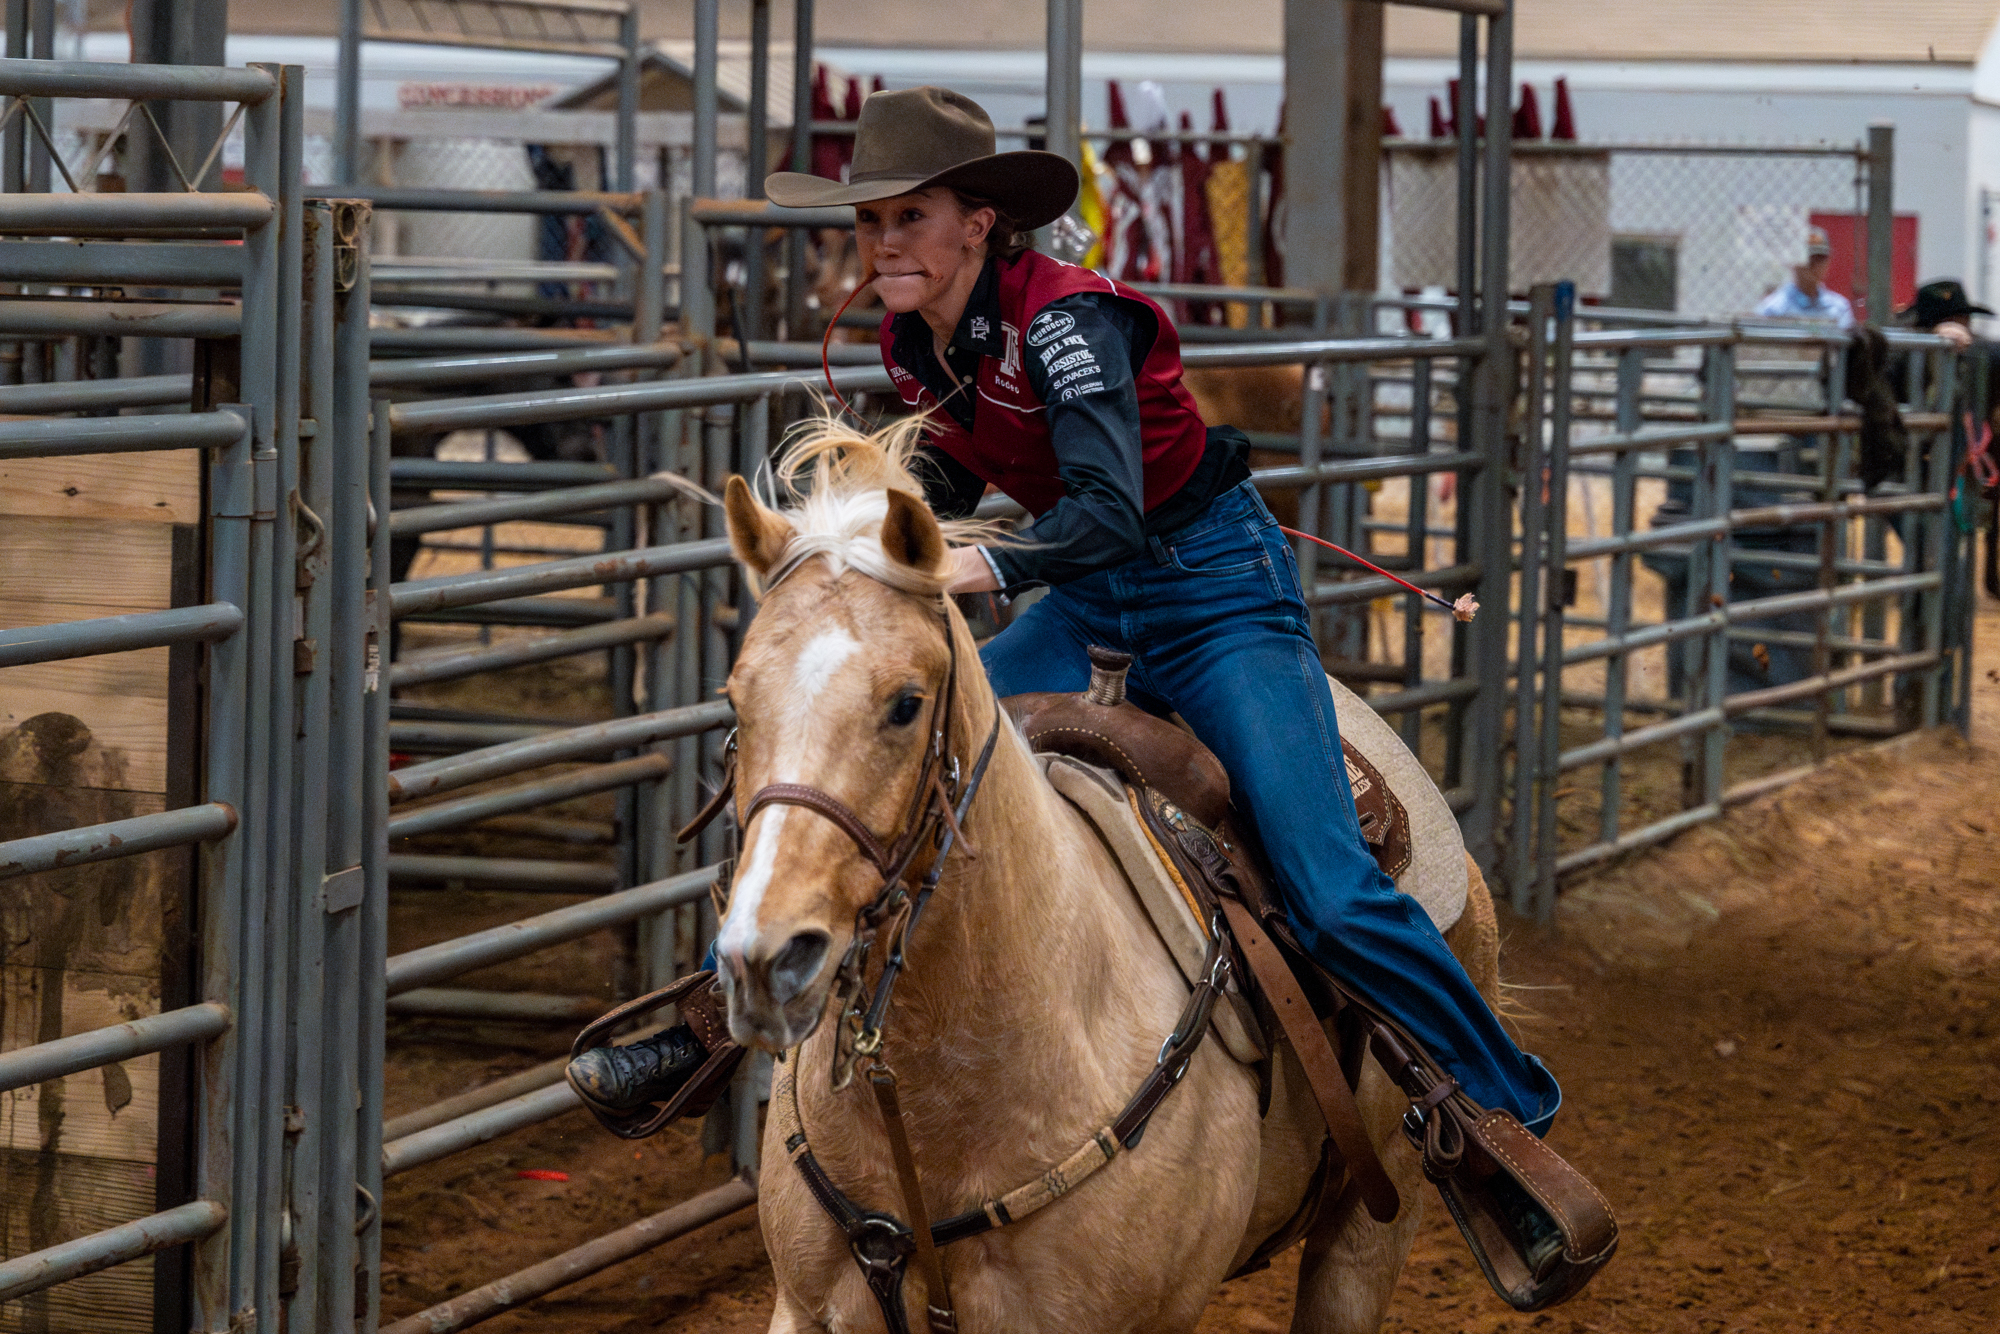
(1037, 993)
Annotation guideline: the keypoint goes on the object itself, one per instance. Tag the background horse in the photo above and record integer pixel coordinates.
(1037, 994)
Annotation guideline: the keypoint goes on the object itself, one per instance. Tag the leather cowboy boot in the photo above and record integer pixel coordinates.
(635, 1089)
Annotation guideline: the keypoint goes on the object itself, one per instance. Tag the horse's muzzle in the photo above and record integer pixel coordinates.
(774, 1003)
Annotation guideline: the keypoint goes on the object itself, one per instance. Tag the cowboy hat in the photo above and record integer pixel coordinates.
(916, 138)
(1939, 301)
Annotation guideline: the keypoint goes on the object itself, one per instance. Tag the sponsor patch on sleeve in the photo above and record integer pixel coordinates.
(1048, 326)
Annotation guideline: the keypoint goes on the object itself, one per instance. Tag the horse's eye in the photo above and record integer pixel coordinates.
(904, 711)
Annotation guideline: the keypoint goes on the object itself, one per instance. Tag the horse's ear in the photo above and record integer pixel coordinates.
(910, 533)
(757, 535)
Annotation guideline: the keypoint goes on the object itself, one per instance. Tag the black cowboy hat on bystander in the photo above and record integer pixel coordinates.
(1939, 301)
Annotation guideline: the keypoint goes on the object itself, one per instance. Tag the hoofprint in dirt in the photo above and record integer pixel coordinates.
(1777, 1035)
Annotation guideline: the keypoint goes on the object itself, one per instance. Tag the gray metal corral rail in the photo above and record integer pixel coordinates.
(1844, 577)
(281, 635)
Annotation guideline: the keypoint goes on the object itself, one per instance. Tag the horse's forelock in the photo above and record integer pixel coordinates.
(831, 482)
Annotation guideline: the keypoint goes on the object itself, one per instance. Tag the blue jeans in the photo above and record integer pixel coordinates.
(1217, 627)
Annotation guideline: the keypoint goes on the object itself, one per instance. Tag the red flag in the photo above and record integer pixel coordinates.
(1528, 116)
(1565, 126)
(1391, 127)
(1196, 262)
(1124, 230)
(827, 155)
(1440, 127)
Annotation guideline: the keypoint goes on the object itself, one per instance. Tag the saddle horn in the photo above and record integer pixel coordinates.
(1107, 676)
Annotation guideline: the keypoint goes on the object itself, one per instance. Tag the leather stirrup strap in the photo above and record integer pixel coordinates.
(937, 1298)
(1320, 1061)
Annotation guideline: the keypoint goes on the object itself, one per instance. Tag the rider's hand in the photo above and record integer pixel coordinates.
(1954, 333)
(966, 571)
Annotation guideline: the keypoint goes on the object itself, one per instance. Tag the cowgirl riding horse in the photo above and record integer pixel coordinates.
(1062, 389)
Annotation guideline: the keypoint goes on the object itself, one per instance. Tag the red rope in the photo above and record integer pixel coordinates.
(1462, 609)
(826, 343)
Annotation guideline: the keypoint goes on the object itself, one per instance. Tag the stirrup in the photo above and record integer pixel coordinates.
(701, 1011)
(1497, 1140)
(1467, 1149)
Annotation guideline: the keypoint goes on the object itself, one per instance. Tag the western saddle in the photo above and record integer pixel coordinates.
(1486, 1165)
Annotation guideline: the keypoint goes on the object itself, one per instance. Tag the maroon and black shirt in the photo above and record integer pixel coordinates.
(1063, 389)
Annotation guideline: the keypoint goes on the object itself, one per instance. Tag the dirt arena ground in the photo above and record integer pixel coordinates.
(1778, 1035)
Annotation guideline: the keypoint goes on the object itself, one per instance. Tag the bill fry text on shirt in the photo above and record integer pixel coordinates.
(1074, 340)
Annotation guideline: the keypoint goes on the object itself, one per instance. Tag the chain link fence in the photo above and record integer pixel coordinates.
(1701, 230)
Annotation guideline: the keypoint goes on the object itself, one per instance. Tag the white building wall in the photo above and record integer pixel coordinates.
(1947, 117)
(1630, 102)
(1982, 204)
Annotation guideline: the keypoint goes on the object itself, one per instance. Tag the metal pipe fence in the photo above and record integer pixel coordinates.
(1785, 581)
(317, 641)
(257, 894)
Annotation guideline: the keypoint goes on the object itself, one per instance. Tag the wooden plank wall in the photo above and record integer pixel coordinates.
(82, 742)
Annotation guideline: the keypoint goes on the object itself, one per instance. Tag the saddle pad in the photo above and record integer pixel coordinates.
(1100, 796)
(1436, 875)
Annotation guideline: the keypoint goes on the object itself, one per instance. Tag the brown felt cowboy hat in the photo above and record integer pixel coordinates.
(916, 138)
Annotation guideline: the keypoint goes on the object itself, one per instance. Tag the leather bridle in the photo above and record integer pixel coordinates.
(942, 795)
(938, 807)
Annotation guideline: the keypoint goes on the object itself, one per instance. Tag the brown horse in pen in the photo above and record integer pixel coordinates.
(1037, 992)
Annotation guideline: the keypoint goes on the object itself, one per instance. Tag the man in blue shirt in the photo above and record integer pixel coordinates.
(1806, 296)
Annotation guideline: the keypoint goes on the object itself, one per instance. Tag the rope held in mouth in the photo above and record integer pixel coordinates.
(1464, 609)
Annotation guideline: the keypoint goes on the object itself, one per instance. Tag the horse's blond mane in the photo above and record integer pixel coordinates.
(831, 482)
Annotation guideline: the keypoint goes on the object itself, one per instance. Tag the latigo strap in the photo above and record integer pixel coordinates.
(1317, 1056)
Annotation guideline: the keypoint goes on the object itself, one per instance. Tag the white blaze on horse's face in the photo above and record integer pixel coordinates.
(832, 691)
(821, 659)
(814, 670)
